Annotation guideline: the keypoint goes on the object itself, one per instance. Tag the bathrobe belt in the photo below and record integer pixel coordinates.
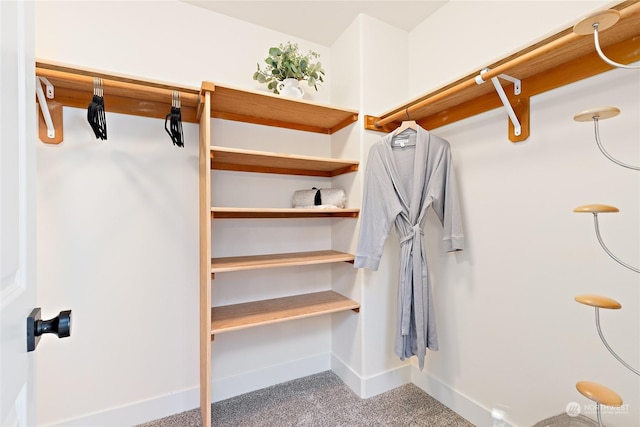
(412, 247)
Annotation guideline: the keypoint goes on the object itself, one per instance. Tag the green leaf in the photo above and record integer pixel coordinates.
(274, 51)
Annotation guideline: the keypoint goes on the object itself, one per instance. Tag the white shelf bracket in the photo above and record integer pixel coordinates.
(517, 89)
(51, 132)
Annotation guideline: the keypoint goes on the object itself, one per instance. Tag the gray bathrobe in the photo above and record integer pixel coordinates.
(405, 175)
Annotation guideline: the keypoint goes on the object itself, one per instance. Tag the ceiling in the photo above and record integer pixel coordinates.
(321, 21)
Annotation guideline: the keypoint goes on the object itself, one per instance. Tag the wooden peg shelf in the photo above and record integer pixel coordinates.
(599, 393)
(559, 60)
(598, 301)
(596, 208)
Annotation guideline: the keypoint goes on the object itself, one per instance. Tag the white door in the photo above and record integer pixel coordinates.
(17, 211)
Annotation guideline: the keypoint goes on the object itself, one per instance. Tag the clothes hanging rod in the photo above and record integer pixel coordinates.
(491, 73)
(72, 73)
(126, 88)
(124, 94)
(540, 61)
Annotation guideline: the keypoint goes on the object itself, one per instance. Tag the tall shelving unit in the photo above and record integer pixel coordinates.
(224, 102)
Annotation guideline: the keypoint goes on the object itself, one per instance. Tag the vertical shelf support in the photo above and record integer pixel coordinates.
(204, 110)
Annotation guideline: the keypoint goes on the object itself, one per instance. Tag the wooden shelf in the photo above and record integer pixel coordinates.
(268, 109)
(219, 265)
(233, 159)
(561, 59)
(73, 87)
(240, 316)
(599, 393)
(596, 209)
(229, 213)
(598, 301)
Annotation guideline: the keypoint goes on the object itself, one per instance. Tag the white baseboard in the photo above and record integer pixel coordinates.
(225, 388)
(138, 412)
(346, 374)
(174, 403)
(374, 385)
(464, 406)
(386, 381)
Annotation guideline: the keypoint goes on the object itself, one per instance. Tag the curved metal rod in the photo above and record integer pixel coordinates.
(595, 221)
(604, 57)
(606, 344)
(607, 155)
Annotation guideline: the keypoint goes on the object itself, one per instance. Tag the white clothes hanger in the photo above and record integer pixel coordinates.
(406, 124)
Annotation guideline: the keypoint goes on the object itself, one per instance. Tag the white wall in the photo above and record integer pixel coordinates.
(118, 224)
(369, 366)
(160, 39)
(511, 336)
(347, 335)
(464, 36)
(384, 83)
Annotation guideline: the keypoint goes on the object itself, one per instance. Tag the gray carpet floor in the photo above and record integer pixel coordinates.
(322, 400)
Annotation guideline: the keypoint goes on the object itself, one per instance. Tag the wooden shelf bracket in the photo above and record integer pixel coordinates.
(517, 90)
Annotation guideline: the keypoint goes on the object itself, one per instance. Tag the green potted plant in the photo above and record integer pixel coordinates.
(286, 66)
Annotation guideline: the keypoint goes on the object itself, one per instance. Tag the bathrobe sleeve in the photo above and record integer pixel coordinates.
(444, 192)
(380, 206)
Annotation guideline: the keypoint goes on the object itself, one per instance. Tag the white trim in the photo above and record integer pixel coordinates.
(347, 375)
(374, 385)
(461, 404)
(173, 403)
(386, 381)
(138, 412)
(185, 400)
(225, 388)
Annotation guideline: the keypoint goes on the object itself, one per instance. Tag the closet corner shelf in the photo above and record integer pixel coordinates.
(237, 213)
(240, 316)
(238, 263)
(233, 159)
(268, 109)
(558, 60)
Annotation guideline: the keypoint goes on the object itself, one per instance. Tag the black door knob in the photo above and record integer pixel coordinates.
(59, 325)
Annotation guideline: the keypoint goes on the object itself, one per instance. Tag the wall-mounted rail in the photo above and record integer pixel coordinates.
(561, 59)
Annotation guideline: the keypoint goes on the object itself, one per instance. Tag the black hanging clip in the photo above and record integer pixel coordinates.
(174, 119)
(95, 111)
